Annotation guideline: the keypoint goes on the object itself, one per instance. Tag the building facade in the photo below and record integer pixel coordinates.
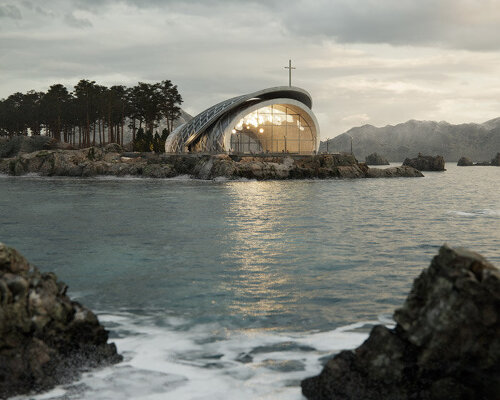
(270, 121)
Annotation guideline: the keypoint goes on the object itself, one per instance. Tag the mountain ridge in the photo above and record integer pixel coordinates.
(478, 141)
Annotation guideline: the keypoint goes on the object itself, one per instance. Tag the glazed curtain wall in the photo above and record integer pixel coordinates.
(273, 129)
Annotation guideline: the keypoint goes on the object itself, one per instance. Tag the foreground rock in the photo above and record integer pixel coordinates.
(426, 163)
(45, 337)
(465, 162)
(376, 159)
(110, 161)
(446, 344)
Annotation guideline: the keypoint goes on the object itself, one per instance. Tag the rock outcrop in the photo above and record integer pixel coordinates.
(496, 160)
(426, 163)
(109, 161)
(11, 147)
(445, 345)
(465, 162)
(45, 337)
(394, 172)
(376, 159)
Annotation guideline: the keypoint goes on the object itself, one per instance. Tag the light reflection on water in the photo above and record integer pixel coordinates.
(256, 281)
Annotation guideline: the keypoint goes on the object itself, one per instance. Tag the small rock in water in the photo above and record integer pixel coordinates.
(426, 163)
(283, 346)
(496, 160)
(45, 337)
(446, 344)
(465, 162)
(244, 358)
(284, 365)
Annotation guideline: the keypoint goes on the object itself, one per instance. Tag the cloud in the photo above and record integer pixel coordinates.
(461, 24)
(10, 11)
(77, 22)
(356, 119)
(458, 24)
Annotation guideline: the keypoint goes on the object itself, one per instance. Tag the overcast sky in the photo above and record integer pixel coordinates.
(364, 61)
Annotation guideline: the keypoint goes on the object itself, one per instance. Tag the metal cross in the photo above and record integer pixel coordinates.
(289, 68)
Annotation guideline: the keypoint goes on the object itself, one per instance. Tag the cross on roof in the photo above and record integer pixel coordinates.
(289, 68)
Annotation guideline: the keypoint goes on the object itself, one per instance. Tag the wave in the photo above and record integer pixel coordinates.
(172, 358)
(476, 213)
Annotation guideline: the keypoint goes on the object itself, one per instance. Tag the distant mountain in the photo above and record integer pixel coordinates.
(396, 142)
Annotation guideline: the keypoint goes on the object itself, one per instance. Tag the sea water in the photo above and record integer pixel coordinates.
(240, 289)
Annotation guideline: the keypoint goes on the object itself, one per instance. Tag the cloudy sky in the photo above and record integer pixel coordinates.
(364, 61)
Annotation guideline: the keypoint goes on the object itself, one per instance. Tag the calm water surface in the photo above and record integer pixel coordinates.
(238, 289)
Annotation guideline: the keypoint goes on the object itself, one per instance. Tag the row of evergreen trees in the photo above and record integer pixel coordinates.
(91, 114)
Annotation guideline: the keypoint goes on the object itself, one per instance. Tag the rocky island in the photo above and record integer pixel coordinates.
(445, 345)
(467, 162)
(376, 159)
(45, 337)
(113, 160)
(426, 163)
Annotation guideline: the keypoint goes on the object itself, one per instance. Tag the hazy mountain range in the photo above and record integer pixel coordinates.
(479, 142)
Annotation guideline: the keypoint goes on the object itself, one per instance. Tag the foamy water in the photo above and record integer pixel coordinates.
(170, 358)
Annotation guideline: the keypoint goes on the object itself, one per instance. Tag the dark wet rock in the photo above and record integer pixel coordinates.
(465, 162)
(426, 163)
(496, 160)
(446, 343)
(376, 159)
(45, 337)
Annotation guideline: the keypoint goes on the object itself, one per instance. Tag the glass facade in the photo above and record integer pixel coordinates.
(278, 128)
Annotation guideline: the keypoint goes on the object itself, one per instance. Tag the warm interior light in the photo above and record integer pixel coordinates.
(261, 130)
(234, 131)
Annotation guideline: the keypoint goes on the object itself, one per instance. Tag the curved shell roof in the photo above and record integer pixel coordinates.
(185, 134)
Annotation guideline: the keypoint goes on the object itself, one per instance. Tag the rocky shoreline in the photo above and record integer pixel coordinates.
(445, 345)
(112, 160)
(46, 338)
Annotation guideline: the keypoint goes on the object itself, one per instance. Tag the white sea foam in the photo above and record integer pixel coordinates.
(206, 361)
(475, 213)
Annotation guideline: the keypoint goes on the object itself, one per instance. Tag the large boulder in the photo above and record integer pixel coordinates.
(465, 162)
(426, 163)
(445, 345)
(376, 159)
(496, 160)
(45, 337)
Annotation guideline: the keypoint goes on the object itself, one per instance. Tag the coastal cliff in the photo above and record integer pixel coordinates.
(45, 337)
(445, 345)
(111, 160)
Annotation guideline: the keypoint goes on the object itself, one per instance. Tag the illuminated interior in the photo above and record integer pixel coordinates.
(278, 128)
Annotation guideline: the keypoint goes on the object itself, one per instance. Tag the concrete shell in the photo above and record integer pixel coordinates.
(209, 131)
